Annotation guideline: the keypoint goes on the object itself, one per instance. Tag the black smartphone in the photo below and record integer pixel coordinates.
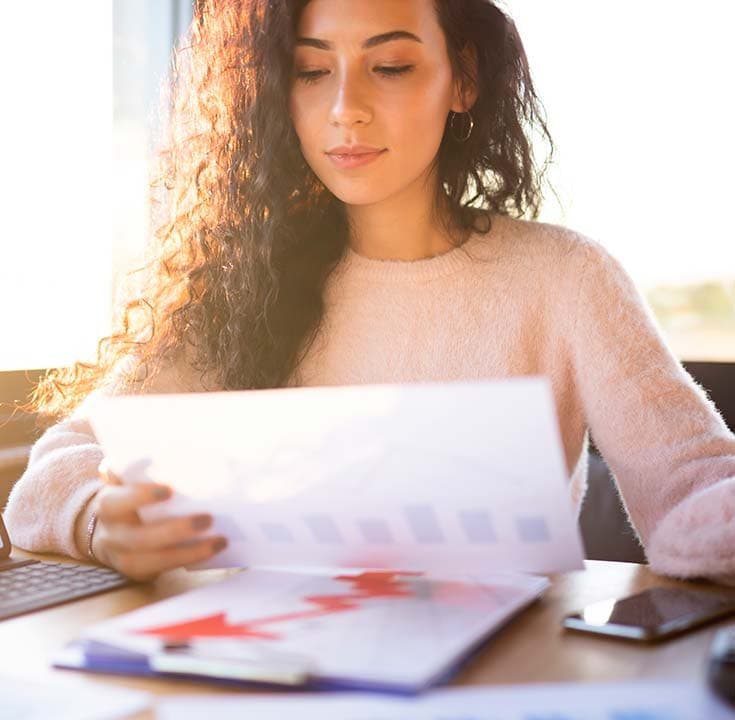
(652, 615)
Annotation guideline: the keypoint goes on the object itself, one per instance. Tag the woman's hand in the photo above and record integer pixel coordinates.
(143, 551)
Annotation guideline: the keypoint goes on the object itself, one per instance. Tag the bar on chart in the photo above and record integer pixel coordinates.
(276, 532)
(324, 529)
(533, 528)
(375, 531)
(423, 523)
(478, 526)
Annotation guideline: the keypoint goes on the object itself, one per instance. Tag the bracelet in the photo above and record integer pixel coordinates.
(90, 534)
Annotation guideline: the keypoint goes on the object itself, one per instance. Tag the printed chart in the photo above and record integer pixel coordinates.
(372, 629)
(434, 478)
(421, 521)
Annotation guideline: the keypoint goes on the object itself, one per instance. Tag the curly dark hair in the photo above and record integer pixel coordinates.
(250, 233)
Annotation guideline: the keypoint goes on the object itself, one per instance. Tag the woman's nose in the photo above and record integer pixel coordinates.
(351, 103)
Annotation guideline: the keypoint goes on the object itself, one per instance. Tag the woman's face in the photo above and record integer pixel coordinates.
(371, 92)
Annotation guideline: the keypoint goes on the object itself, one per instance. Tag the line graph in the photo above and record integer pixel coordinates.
(366, 586)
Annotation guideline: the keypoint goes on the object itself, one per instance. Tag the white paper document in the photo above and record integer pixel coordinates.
(68, 699)
(629, 701)
(376, 630)
(460, 477)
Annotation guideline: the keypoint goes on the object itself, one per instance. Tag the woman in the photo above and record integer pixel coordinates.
(341, 185)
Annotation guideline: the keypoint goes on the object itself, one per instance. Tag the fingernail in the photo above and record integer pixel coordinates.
(161, 492)
(201, 522)
(106, 475)
(219, 545)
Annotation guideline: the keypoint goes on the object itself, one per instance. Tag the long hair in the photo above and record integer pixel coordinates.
(250, 235)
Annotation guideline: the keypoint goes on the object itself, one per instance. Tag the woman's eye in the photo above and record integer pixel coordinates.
(310, 76)
(394, 70)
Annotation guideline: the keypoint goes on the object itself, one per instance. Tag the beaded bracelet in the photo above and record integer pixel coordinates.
(90, 534)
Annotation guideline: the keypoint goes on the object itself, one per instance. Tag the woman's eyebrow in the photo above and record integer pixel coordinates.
(369, 43)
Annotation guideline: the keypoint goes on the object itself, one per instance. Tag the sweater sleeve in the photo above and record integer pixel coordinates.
(670, 451)
(62, 477)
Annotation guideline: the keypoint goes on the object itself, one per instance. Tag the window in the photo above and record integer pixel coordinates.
(56, 137)
(639, 100)
(76, 144)
(144, 34)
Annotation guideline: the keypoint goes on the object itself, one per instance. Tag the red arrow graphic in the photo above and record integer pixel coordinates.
(366, 586)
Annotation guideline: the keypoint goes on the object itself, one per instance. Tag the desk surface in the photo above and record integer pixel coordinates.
(533, 648)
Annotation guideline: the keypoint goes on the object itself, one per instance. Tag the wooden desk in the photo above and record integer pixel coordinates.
(533, 648)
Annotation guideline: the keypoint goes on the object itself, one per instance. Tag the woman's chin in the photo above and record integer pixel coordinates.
(359, 197)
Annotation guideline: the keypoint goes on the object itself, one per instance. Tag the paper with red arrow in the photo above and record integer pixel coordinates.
(368, 629)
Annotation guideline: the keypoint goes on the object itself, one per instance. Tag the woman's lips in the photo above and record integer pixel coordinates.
(352, 160)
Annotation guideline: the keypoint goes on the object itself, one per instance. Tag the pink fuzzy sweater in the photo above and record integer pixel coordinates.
(525, 299)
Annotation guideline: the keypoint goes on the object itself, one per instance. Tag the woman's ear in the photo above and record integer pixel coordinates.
(465, 86)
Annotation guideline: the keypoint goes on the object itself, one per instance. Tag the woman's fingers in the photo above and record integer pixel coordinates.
(106, 475)
(147, 565)
(162, 534)
(144, 551)
(118, 502)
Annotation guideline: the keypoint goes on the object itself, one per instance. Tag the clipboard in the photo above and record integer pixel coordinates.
(446, 622)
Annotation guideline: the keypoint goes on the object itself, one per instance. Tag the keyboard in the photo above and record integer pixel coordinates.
(27, 585)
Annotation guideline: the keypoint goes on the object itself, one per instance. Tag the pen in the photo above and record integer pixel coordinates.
(226, 659)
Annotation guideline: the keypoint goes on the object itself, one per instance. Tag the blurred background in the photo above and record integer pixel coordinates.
(639, 100)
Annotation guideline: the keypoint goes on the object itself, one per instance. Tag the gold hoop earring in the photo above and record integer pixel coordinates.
(470, 127)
